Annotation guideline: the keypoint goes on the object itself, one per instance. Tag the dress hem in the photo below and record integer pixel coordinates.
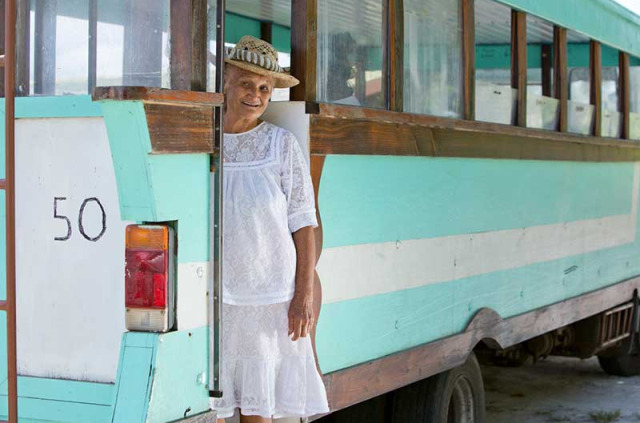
(225, 413)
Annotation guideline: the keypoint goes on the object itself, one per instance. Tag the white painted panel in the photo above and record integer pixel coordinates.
(70, 292)
(291, 115)
(192, 295)
(393, 266)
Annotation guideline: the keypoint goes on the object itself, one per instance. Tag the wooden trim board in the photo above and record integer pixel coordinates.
(362, 382)
(351, 130)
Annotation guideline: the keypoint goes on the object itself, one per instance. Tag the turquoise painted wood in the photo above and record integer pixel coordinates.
(237, 26)
(367, 200)
(281, 38)
(357, 331)
(593, 17)
(370, 199)
(154, 188)
(42, 399)
(499, 56)
(60, 411)
(130, 146)
(52, 107)
(181, 373)
(151, 188)
(161, 377)
(135, 377)
(63, 390)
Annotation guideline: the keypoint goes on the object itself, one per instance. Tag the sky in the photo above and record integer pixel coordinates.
(633, 5)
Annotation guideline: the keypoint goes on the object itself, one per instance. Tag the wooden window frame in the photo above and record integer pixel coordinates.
(23, 24)
(93, 46)
(304, 45)
(595, 69)
(430, 134)
(519, 64)
(561, 75)
(266, 31)
(393, 53)
(468, 23)
(625, 94)
(2, 34)
(188, 35)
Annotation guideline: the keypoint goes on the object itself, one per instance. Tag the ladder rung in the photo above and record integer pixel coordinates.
(2, 66)
(3, 185)
(3, 307)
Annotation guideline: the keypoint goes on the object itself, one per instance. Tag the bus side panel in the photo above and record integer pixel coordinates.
(414, 246)
(61, 147)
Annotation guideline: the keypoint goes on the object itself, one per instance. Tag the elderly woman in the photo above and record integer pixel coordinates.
(269, 368)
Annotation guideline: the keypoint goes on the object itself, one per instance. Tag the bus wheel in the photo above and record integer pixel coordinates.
(454, 396)
(618, 361)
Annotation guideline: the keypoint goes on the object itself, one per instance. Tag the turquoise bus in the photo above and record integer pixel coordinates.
(476, 165)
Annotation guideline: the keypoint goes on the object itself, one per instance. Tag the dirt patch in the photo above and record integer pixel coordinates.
(560, 390)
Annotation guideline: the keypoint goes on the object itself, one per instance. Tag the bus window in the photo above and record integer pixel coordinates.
(580, 111)
(350, 53)
(634, 100)
(432, 58)
(268, 20)
(611, 116)
(78, 44)
(543, 110)
(495, 99)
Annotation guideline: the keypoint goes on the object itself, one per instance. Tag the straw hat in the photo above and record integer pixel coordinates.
(259, 57)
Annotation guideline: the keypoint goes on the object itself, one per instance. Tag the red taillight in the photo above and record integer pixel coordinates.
(146, 275)
(149, 273)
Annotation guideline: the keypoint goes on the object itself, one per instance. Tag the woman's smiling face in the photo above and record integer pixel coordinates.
(247, 93)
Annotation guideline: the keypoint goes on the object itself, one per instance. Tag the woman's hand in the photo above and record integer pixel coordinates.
(301, 308)
(301, 315)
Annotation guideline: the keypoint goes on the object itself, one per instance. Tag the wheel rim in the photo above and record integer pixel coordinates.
(461, 402)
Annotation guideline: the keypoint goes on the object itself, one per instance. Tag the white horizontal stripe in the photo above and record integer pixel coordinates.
(368, 269)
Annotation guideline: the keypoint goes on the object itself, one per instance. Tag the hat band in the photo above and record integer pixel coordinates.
(252, 57)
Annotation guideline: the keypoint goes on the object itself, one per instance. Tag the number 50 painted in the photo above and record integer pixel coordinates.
(80, 219)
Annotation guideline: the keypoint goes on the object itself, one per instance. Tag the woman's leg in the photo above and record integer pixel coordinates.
(253, 419)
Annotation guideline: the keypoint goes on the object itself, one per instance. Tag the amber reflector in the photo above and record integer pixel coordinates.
(147, 237)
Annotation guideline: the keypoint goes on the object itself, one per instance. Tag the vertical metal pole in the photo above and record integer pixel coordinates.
(93, 45)
(215, 210)
(9, 84)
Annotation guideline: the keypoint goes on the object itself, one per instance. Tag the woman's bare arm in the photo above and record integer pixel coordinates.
(301, 316)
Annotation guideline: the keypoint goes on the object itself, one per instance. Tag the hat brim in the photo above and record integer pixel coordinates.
(281, 80)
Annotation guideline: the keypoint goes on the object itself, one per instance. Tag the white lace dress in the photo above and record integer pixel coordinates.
(267, 196)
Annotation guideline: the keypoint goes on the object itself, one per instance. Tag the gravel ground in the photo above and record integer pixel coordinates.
(560, 390)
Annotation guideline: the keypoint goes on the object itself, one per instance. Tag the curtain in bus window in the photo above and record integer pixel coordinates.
(611, 122)
(350, 54)
(495, 99)
(543, 111)
(579, 110)
(432, 58)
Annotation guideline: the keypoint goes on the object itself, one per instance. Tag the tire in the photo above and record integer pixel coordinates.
(618, 362)
(455, 396)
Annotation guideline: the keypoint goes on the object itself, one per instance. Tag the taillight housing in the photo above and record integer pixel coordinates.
(149, 278)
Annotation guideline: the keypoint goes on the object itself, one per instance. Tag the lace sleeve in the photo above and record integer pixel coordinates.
(296, 184)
